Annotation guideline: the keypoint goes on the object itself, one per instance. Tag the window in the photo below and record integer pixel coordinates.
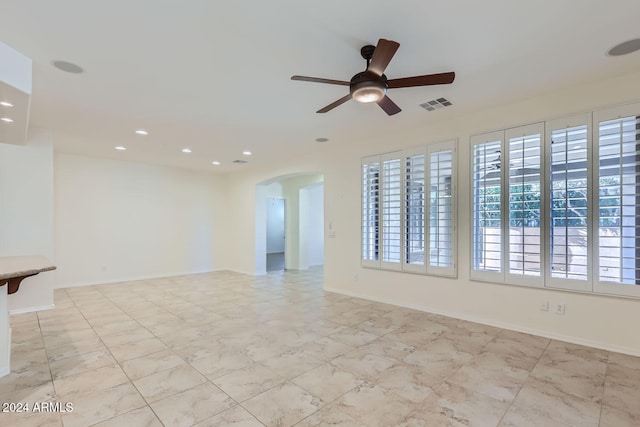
(414, 211)
(524, 169)
(618, 206)
(441, 210)
(553, 206)
(507, 205)
(391, 212)
(569, 235)
(370, 210)
(487, 206)
(398, 189)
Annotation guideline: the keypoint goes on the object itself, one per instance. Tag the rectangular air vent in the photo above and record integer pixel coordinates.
(240, 162)
(435, 104)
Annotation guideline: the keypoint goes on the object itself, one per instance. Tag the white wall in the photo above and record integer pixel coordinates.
(312, 225)
(295, 249)
(26, 214)
(590, 319)
(117, 220)
(26, 226)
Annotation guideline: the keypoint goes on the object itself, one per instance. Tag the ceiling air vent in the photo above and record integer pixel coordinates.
(435, 104)
(240, 162)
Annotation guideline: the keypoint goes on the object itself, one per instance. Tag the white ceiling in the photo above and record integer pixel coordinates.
(215, 76)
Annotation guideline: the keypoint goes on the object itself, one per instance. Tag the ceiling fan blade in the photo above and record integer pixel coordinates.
(335, 104)
(382, 56)
(389, 106)
(320, 80)
(427, 80)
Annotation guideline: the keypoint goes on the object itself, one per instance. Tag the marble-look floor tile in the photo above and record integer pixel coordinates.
(82, 363)
(41, 393)
(329, 416)
(612, 417)
(496, 383)
(142, 417)
(467, 407)
(26, 357)
(364, 365)
(586, 386)
(292, 363)
(354, 337)
(69, 337)
(622, 396)
(247, 382)
(623, 369)
(75, 349)
(407, 381)
(234, 417)
(97, 379)
(151, 363)
(192, 405)
(327, 382)
(326, 348)
(374, 406)
(168, 382)
(283, 406)
(31, 419)
(573, 362)
(223, 363)
(33, 376)
(205, 345)
(94, 407)
(418, 336)
(134, 335)
(537, 401)
(137, 349)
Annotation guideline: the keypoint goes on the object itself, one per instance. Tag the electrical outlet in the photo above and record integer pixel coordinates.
(560, 308)
(544, 306)
(355, 277)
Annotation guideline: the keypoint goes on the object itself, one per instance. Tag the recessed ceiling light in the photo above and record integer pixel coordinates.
(186, 150)
(6, 119)
(625, 48)
(215, 162)
(142, 132)
(68, 67)
(121, 148)
(6, 104)
(322, 139)
(247, 153)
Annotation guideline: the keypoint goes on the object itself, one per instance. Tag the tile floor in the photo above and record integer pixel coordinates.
(225, 349)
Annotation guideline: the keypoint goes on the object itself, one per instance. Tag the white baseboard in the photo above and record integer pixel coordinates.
(503, 325)
(32, 309)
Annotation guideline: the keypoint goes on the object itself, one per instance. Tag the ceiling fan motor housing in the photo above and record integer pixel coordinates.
(368, 87)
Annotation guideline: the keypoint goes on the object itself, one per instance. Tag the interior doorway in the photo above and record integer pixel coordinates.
(296, 203)
(276, 234)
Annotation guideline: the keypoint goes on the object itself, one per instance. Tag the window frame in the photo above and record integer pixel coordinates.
(451, 271)
(549, 280)
(366, 262)
(484, 275)
(402, 156)
(509, 134)
(608, 288)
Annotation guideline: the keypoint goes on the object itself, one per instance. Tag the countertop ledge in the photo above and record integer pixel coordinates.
(22, 266)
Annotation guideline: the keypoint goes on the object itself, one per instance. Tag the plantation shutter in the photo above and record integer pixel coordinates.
(391, 212)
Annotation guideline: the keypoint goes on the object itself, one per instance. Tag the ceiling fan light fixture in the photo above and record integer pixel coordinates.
(368, 91)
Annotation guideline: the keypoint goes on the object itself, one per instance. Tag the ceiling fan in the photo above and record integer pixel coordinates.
(371, 85)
